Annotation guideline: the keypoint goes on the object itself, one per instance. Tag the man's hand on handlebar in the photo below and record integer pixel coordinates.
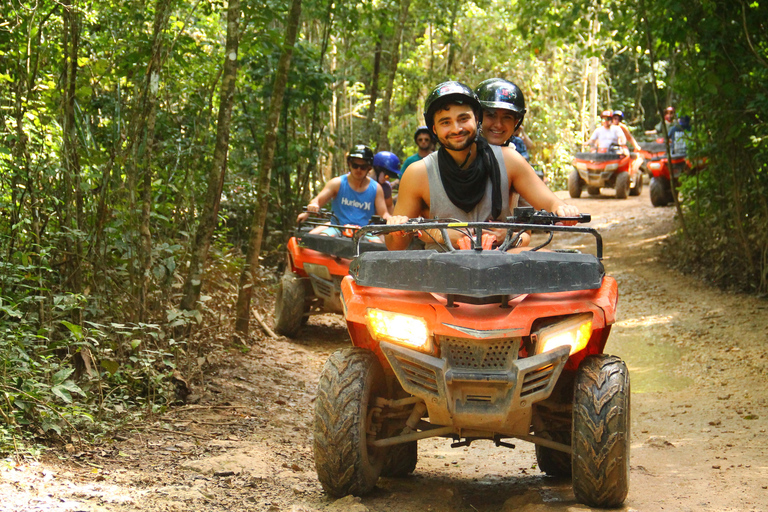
(311, 208)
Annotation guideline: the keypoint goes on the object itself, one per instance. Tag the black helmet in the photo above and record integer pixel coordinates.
(618, 113)
(448, 92)
(361, 151)
(500, 93)
(422, 129)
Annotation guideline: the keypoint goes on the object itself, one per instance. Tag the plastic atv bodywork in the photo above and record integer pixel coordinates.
(317, 263)
(606, 170)
(481, 374)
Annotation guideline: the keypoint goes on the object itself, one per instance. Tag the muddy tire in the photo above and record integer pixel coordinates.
(574, 184)
(554, 462)
(622, 185)
(349, 382)
(593, 191)
(659, 192)
(600, 459)
(638, 188)
(290, 305)
(401, 460)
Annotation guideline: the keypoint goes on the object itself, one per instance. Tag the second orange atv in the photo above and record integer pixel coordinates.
(476, 345)
(606, 170)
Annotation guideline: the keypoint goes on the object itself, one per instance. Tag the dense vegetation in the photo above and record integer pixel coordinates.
(114, 139)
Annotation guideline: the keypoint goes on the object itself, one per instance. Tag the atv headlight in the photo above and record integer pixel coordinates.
(574, 332)
(611, 167)
(654, 166)
(407, 330)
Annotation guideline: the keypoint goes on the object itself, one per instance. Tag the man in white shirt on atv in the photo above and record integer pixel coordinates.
(466, 179)
(608, 137)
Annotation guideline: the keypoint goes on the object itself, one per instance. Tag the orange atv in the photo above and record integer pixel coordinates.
(314, 269)
(605, 170)
(658, 168)
(477, 345)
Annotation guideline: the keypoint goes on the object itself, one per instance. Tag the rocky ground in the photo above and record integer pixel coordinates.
(698, 364)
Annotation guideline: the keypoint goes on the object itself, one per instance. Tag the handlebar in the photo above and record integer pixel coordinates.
(523, 219)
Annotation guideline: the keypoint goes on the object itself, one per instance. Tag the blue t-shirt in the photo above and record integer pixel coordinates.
(519, 145)
(352, 207)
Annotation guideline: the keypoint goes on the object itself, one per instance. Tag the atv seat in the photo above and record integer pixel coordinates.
(341, 247)
(483, 274)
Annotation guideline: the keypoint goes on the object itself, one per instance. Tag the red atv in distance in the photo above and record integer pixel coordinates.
(658, 168)
(477, 345)
(314, 269)
(596, 170)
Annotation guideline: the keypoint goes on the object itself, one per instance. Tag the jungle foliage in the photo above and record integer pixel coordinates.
(108, 124)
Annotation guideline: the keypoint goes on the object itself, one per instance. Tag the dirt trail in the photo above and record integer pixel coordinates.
(698, 366)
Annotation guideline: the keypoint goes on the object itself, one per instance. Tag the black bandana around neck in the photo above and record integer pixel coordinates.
(466, 187)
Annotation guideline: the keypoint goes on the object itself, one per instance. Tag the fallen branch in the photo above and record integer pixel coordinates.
(263, 325)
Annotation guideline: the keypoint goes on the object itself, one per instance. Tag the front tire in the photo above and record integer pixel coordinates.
(600, 458)
(554, 462)
(349, 383)
(290, 305)
(574, 184)
(401, 460)
(593, 191)
(622, 185)
(659, 193)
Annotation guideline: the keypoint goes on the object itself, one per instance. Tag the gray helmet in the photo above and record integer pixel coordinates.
(450, 92)
(497, 93)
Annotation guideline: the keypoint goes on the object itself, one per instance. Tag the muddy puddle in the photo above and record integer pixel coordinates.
(653, 364)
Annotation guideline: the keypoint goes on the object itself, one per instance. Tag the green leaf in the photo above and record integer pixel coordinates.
(62, 375)
(70, 386)
(110, 366)
(61, 392)
(75, 329)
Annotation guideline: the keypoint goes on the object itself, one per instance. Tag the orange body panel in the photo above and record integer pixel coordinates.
(301, 255)
(514, 321)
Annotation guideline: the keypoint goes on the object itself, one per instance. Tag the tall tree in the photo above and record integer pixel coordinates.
(394, 56)
(245, 289)
(210, 210)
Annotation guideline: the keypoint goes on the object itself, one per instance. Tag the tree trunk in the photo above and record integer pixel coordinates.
(245, 289)
(210, 212)
(383, 144)
(369, 129)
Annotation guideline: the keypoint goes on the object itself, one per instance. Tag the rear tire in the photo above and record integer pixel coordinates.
(593, 191)
(350, 381)
(659, 193)
(638, 188)
(622, 185)
(554, 462)
(600, 459)
(290, 305)
(574, 184)
(401, 460)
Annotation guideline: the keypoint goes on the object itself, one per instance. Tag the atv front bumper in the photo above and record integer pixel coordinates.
(478, 401)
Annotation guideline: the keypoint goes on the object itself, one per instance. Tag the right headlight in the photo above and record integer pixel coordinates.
(410, 331)
(574, 332)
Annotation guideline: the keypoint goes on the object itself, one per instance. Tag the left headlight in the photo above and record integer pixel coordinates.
(574, 332)
(407, 330)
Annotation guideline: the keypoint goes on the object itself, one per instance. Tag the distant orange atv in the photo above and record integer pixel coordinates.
(596, 170)
(477, 345)
(662, 170)
(314, 269)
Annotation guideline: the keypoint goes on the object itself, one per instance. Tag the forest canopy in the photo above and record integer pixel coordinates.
(125, 123)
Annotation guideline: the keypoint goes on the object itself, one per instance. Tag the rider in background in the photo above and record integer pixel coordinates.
(386, 165)
(679, 135)
(608, 137)
(618, 120)
(423, 139)
(669, 120)
(355, 197)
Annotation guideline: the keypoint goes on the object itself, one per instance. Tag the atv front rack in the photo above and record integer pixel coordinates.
(481, 273)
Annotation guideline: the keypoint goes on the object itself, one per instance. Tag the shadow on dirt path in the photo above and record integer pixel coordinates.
(697, 361)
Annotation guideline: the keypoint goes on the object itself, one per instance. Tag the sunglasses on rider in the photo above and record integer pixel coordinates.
(364, 167)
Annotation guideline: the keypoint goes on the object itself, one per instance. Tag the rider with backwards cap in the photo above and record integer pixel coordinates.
(466, 179)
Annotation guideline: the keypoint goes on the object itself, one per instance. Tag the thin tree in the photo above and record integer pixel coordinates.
(383, 144)
(210, 212)
(245, 288)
